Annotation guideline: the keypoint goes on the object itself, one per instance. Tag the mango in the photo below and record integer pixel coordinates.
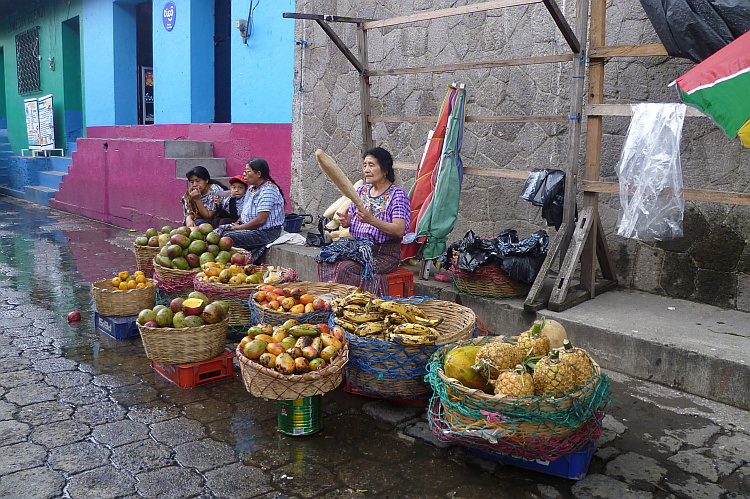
(194, 321)
(164, 317)
(329, 353)
(213, 314)
(275, 348)
(458, 364)
(317, 363)
(267, 360)
(285, 363)
(301, 365)
(178, 320)
(255, 348)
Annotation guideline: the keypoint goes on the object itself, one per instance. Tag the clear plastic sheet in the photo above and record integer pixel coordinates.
(651, 201)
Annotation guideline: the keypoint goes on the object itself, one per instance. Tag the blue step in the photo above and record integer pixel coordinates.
(4, 155)
(60, 164)
(9, 191)
(39, 194)
(51, 179)
(4, 177)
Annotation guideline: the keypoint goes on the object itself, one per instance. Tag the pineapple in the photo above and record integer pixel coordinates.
(532, 341)
(516, 382)
(495, 357)
(551, 375)
(579, 360)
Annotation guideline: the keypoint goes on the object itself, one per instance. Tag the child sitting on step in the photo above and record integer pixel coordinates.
(229, 208)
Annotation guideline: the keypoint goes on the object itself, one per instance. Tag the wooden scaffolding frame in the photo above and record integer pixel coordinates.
(571, 238)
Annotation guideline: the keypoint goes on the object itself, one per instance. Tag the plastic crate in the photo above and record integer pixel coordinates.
(401, 283)
(572, 466)
(198, 373)
(119, 328)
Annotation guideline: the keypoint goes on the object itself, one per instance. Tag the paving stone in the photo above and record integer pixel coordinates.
(14, 379)
(391, 412)
(78, 457)
(135, 394)
(33, 342)
(697, 437)
(714, 463)
(736, 445)
(56, 365)
(421, 430)
(7, 409)
(696, 490)
(161, 483)
(99, 413)
(142, 456)
(177, 431)
(15, 322)
(68, 379)
(120, 432)
(632, 466)
(101, 483)
(114, 380)
(603, 487)
(153, 412)
(31, 394)
(82, 395)
(204, 454)
(46, 484)
(304, 478)
(379, 477)
(44, 412)
(15, 363)
(611, 423)
(208, 410)
(20, 456)
(12, 432)
(224, 481)
(60, 433)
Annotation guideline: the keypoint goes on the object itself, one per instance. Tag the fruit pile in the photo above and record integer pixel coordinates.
(194, 311)
(230, 273)
(187, 248)
(292, 300)
(528, 367)
(363, 314)
(292, 348)
(125, 281)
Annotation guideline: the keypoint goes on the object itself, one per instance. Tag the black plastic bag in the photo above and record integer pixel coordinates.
(321, 238)
(474, 251)
(523, 259)
(546, 188)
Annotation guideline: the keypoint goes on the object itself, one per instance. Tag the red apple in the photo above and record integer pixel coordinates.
(74, 316)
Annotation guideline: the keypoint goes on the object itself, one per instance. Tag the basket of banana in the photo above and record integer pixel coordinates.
(520, 399)
(391, 340)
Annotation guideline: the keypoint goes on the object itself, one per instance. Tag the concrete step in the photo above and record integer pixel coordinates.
(51, 179)
(188, 149)
(39, 194)
(60, 164)
(217, 167)
(9, 191)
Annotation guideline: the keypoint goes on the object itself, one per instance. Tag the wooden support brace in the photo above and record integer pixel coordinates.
(580, 234)
(341, 45)
(534, 301)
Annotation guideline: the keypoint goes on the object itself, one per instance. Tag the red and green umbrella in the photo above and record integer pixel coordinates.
(720, 87)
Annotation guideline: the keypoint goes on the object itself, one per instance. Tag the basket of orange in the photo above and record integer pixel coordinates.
(124, 295)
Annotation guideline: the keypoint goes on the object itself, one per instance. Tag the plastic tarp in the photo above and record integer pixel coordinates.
(695, 29)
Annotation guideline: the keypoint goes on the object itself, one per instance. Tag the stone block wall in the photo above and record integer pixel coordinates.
(710, 263)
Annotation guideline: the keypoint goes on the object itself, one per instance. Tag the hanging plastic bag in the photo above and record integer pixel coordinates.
(650, 173)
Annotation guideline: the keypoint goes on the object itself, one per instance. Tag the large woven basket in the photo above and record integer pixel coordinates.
(144, 258)
(121, 303)
(329, 290)
(392, 371)
(488, 281)
(181, 346)
(173, 280)
(269, 384)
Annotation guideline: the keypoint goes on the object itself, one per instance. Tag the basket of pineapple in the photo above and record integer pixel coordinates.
(124, 295)
(521, 398)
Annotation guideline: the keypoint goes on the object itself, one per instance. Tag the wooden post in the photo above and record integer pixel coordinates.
(364, 89)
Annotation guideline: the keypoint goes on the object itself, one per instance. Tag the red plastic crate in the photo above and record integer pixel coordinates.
(401, 283)
(198, 373)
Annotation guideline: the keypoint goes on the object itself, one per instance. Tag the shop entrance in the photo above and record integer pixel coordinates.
(144, 46)
(72, 87)
(223, 61)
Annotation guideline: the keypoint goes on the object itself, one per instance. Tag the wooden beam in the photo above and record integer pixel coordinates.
(341, 45)
(364, 92)
(625, 110)
(524, 118)
(580, 234)
(709, 196)
(453, 11)
(563, 26)
(498, 173)
(532, 302)
(522, 61)
(325, 17)
(626, 50)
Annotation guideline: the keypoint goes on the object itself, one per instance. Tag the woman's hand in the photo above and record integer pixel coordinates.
(344, 218)
(365, 216)
(195, 193)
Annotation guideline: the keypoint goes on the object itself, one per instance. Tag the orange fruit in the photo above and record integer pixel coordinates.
(132, 284)
(123, 286)
(138, 272)
(141, 279)
(149, 283)
(116, 282)
(123, 275)
(140, 285)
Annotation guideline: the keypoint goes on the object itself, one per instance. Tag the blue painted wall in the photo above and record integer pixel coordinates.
(263, 70)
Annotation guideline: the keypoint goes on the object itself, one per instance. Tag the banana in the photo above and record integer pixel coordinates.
(355, 299)
(414, 329)
(392, 307)
(360, 318)
(374, 305)
(411, 339)
(429, 322)
(415, 310)
(357, 309)
(349, 326)
(394, 320)
(370, 328)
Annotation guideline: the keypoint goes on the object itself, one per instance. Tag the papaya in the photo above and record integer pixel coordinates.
(458, 364)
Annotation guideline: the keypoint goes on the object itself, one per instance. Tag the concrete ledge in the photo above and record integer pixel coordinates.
(678, 343)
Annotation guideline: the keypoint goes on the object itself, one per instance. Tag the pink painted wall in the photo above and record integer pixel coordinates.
(119, 173)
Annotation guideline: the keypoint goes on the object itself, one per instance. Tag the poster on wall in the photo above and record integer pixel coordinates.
(31, 107)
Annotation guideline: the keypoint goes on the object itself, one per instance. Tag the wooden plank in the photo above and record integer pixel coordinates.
(563, 26)
(364, 92)
(498, 173)
(576, 296)
(553, 250)
(452, 11)
(524, 118)
(326, 17)
(709, 196)
(341, 45)
(522, 61)
(625, 50)
(596, 109)
(581, 232)
(606, 264)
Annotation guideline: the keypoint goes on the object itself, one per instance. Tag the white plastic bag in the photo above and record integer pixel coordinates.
(651, 201)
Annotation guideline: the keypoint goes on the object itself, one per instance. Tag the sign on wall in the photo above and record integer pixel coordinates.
(40, 123)
(168, 15)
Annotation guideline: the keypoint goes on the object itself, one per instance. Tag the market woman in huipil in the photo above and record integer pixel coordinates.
(374, 249)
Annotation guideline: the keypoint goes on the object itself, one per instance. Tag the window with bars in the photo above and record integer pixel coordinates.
(27, 57)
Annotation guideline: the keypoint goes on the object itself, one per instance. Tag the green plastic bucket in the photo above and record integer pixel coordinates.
(301, 416)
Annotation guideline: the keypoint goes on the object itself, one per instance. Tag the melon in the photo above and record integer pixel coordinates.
(554, 331)
(458, 364)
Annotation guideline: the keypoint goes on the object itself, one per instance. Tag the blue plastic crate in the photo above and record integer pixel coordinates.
(572, 466)
(119, 328)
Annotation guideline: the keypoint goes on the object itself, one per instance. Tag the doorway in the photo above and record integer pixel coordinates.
(72, 86)
(222, 61)
(144, 48)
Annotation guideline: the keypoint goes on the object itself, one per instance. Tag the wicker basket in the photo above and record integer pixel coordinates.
(269, 384)
(181, 346)
(487, 281)
(144, 258)
(173, 280)
(327, 289)
(122, 303)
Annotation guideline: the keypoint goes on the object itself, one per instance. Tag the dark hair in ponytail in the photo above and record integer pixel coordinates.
(202, 173)
(260, 165)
